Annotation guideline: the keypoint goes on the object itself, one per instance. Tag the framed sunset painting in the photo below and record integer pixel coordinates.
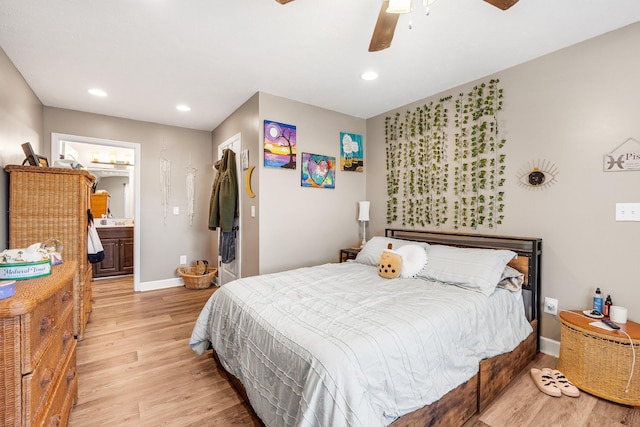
(279, 145)
(318, 171)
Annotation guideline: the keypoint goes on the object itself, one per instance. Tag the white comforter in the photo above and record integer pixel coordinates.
(337, 345)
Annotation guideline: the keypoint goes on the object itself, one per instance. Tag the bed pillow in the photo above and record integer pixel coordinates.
(414, 260)
(472, 268)
(372, 250)
(511, 279)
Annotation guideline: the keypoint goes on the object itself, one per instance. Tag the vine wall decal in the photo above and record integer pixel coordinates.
(418, 152)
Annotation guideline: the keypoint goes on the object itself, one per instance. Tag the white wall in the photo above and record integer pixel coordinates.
(301, 226)
(570, 107)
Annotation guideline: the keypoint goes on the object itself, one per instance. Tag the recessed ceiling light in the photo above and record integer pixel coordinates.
(183, 107)
(97, 92)
(369, 75)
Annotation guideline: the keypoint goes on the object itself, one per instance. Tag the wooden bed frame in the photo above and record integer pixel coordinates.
(461, 403)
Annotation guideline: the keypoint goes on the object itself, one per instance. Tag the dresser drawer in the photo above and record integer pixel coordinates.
(65, 394)
(38, 325)
(39, 385)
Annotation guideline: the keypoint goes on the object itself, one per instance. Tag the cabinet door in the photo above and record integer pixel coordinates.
(126, 256)
(110, 264)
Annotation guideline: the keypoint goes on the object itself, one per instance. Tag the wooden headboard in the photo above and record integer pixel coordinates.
(529, 250)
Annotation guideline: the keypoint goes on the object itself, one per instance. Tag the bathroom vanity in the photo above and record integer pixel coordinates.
(117, 242)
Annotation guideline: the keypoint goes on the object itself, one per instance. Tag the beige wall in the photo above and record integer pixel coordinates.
(294, 226)
(244, 121)
(20, 122)
(302, 226)
(162, 240)
(570, 107)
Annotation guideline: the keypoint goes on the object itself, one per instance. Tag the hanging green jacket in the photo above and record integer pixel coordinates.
(224, 196)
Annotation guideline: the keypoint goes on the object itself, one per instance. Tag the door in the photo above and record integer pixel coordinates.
(109, 265)
(231, 271)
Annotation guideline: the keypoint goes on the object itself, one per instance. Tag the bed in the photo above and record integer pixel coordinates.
(336, 344)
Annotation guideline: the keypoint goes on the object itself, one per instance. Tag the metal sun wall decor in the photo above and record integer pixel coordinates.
(351, 152)
(279, 145)
(318, 171)
(538, 174)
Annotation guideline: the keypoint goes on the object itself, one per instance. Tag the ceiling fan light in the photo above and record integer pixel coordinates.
(399, 6)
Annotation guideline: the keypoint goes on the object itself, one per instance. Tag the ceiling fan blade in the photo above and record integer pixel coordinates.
(502, 4)
(384, 29)
(287, 1)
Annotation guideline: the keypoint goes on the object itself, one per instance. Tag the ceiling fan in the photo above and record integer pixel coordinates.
(386, 24)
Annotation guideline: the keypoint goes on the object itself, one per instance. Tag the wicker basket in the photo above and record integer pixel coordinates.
(600, 363)
(196, 281)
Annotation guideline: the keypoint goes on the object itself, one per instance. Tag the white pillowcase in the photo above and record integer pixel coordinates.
(472, 268)
(414, 260)
(370, 253)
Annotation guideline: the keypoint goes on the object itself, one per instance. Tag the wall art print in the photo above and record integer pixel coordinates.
(279, 145)
(318, 171)
(351, 152)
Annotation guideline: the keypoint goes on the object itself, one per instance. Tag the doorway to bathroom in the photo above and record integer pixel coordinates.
(111, 159)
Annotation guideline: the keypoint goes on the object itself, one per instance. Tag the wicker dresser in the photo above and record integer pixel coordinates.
(49, 203)
(38, 351)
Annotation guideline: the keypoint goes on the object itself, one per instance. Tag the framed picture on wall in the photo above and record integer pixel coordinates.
(318, 171)
(31, 157)
(351, 152)
(279, 145)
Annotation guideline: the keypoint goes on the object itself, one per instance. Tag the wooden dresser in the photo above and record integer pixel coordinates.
(38, 351)
(47, 203)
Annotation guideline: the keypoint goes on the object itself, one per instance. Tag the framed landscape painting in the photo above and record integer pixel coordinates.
(279, 145)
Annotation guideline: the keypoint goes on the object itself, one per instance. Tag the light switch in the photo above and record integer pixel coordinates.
(176, 210)
(627, 211)
(253, 211)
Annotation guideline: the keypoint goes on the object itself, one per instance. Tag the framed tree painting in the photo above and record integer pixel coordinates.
(318, 171)
(279, 145)
(351, 152)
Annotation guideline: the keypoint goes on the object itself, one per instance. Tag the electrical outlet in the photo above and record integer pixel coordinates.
(550, 305)
(183, 259)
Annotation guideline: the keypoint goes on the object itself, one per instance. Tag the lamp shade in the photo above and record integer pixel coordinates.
(363, 211)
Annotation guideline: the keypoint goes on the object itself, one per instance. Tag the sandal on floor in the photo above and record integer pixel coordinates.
(566, 387)
(545, 382)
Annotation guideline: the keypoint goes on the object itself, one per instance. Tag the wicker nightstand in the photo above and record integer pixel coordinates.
(598, 361)
(348, 253)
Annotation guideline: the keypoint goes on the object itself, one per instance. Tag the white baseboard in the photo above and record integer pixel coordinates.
(161, 284)
(550, 347)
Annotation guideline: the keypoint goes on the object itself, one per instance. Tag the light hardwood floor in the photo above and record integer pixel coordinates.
(135, 368)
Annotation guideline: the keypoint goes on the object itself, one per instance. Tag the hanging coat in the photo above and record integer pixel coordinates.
(224, 196)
